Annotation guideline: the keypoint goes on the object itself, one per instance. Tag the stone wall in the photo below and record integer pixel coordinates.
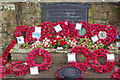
(29, 13)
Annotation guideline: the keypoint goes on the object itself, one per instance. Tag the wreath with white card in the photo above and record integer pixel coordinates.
(21, 29)
(86, 52)
(97, 66)
(42, 52)
(103, 34)
(83, 29)
(34, 35)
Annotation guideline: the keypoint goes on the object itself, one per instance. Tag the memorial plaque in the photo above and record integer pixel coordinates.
(72, 12)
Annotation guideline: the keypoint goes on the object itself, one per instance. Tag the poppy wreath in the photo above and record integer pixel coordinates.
(3, 72)
(119, 61)
(29, 35)
(114, 33)
(72, 66)
(18, 68)
(97, 66)
(21, 29)
(85, 26)
(116, 74)
(72, 31)
(6, 52)
(44, 53)
(64, 32)
(86, 52)
(103, 29)
(94, 26)
(46, 26)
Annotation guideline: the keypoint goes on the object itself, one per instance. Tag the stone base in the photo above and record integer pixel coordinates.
(58, 56)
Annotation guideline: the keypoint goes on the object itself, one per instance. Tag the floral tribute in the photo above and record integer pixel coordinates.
(97, 66)
(18, 68)
(44, 53)
(116, 74)
(85, 30)
(86, 52)
(104, 34)
(59, 42)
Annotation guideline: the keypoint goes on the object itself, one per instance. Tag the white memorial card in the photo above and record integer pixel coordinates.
(36, 35)
(78, 26)
(34, 70)
(58, 28)
(59, 48)
(20, 40)
(110, 57)
(38, 30)
(94, 38)
(71, 57)
(118, 44)
(25, 63)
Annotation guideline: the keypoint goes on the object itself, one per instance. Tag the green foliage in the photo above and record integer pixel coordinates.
(100, 45)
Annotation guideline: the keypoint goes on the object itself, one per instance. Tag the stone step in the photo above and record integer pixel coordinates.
(51, 74)
(58, 56)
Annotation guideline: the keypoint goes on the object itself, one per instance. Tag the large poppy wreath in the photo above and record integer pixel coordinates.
(21, 29)
(85, 30)
(104, 34)
(44, 53)
(6, 52)
(18, 68)
(86, 52)
(97, 66)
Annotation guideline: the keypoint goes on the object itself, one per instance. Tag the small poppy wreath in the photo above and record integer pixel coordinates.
(97, 66)
(86, 27)
(86, 52)
(71, 66)
(116, 74)
(103, 33)
(18, 68)
(44, 53)
(21, 29)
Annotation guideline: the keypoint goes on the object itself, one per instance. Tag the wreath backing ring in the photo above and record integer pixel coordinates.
(21, 29)
(18, 68)
(103, 28)
(97, 66)
(86, 52)
(71, 66)
(86, 26)
(44, 53)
